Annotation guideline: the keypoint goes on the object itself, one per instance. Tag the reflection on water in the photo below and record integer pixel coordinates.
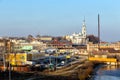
(105, 77)
(108, 73)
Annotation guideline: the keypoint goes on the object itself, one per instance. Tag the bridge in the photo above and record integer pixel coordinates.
(102, 58)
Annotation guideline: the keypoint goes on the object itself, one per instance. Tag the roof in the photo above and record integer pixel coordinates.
(80, 46)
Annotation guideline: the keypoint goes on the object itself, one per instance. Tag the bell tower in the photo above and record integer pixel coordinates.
(84, 32)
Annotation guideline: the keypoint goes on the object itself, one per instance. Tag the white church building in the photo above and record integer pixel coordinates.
(79, 38)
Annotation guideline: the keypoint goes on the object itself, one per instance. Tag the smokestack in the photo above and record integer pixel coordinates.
(98, 32)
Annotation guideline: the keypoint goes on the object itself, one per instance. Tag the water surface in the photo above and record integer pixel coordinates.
(107, 73)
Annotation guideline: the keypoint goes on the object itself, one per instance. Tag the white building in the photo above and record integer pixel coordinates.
(79, 38)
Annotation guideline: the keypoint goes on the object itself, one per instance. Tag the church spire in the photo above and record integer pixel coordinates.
(84, 21)
(84, 32)
(84, 18)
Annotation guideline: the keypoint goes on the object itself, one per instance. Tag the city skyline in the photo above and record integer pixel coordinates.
(59, 17)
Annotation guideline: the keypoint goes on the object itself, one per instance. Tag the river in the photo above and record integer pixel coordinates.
(107, 73)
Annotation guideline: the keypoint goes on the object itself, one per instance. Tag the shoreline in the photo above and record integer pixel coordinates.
(77, 71)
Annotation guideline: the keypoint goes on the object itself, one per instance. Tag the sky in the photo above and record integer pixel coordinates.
(59, 17)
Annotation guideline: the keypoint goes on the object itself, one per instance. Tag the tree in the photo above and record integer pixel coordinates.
(30, 37)
(93, 38)
(38, 36)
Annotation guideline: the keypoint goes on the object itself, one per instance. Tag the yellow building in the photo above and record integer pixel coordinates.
(18, 58)
(22, 58)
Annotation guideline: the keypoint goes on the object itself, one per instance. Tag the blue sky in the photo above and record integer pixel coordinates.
(59, 17)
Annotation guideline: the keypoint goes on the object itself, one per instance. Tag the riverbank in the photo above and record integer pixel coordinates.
(14, 75)
(77, 71)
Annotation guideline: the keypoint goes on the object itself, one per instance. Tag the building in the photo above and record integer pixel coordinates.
(103, 46)
(20, 59)
(59, 44)
(45, 38)
(79, 38)
(21, 45)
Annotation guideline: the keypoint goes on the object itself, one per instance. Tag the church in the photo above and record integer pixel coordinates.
(79, 38)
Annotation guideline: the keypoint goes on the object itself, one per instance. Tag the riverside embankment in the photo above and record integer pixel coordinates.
(79, 70)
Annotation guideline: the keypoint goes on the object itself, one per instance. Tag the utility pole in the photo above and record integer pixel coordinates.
(4, 51)
(4, 61)
(9, 44)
